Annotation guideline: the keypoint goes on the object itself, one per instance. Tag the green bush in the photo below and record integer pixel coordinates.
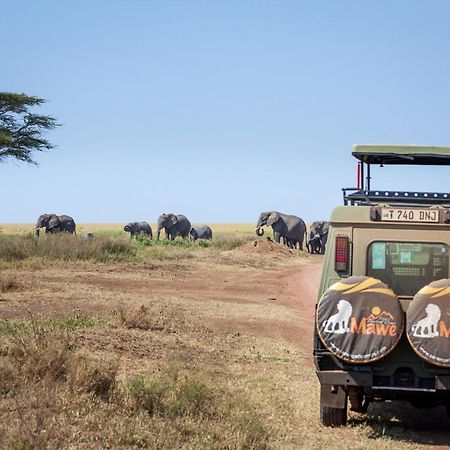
(192, 398)
(150, 396)
(172, 397)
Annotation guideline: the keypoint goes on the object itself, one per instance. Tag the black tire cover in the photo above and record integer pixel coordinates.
(359, 319)
(428, 323)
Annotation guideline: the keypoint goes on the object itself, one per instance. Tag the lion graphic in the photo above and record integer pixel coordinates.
(338, 323)
(428, 327)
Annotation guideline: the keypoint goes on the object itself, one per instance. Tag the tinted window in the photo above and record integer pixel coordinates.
(407, 266)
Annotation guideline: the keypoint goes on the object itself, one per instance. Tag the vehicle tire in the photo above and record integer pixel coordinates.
(333, 417)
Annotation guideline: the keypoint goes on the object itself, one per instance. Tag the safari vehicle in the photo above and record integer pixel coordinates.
(384, 250)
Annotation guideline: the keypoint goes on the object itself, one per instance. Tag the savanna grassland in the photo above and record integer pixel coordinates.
(112, 343)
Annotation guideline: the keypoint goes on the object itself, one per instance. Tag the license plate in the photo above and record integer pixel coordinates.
(409, 215)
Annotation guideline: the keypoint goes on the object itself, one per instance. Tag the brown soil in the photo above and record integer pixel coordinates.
(293, 289)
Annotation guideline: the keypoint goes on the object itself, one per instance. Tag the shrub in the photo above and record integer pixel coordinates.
(192, 398)
(172, 398)
(149, 395)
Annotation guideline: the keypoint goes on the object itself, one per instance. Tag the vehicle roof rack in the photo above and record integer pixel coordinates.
(356, 196)
(369, 154)
(402, 154)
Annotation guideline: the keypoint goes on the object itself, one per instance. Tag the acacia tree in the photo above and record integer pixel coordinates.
(21, 132)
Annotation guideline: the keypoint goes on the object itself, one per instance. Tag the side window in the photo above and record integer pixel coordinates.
(407, 266)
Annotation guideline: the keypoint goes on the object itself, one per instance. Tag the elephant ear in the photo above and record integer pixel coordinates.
(53, 222)
(173, 219)
(273, 217)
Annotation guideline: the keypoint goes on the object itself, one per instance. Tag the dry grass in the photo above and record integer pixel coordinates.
(109, 245)
(143, 318)
(224, 229)
(65, 247)
(194, 357)
(196, 388)
(10, 283)
(49, 385)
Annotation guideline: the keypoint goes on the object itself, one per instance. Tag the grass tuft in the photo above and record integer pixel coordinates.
(146, 319)
(95, 377)
(10, 283)
(75, 321)
(172, 398)
(40, 356)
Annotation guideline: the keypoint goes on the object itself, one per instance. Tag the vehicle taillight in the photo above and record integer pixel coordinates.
(342, 254)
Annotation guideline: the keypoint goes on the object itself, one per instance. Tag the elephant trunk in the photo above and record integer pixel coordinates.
(38, 226)
(158, 232)
(259, 231)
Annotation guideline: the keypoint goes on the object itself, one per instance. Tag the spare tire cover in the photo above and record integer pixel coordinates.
(359, 319)
(428, 323)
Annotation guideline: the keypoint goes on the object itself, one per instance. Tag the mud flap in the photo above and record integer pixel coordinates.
(443, 383)
(333, 396)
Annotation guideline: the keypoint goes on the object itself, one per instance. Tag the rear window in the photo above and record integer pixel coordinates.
(407, 266)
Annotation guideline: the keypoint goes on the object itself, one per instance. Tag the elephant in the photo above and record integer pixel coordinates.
(138, 228)
(174, 225)
(200, 232)
(291, 229)
(55, 224)
(318, 236)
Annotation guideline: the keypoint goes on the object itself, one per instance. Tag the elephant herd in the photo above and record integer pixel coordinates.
(291, 231)
(287, 229)
(173, 225)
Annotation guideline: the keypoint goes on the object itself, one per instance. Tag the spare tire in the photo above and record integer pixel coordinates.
(428, 323)
(359, 319)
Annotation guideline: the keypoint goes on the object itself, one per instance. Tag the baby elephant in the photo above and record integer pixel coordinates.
(138, 228)
(201, 232)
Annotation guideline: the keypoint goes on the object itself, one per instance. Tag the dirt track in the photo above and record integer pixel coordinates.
(291, 289)
(295, 289)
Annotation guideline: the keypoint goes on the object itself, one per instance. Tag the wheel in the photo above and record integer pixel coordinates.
(333, 417)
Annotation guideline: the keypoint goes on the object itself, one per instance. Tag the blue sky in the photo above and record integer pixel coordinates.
(220, 110)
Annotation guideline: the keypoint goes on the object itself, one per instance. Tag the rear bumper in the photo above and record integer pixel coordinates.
(366, 380)
(336, 384)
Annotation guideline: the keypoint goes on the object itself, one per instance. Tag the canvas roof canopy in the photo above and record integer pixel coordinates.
(402, 154)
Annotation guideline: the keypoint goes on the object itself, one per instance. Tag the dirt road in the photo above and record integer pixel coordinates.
(295, 289)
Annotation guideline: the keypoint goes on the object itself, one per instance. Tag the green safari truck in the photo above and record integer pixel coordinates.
(382, 323)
